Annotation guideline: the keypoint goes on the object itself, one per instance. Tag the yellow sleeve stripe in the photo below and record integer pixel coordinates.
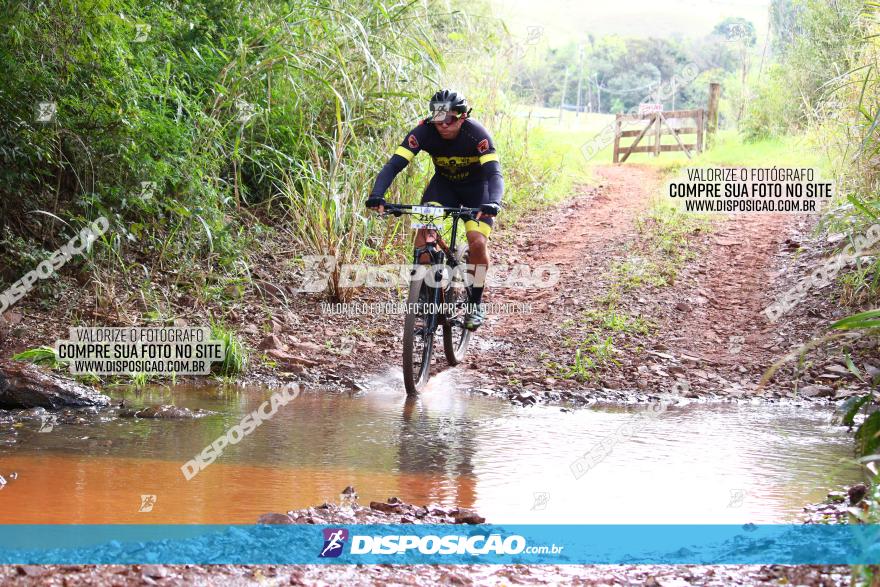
(405, 153)
(490, 157)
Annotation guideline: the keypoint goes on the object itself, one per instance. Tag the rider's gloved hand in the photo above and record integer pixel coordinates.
(490, 209)
(375, 201)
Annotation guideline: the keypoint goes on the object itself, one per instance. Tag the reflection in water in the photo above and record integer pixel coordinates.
(441, 449)
(692, 464)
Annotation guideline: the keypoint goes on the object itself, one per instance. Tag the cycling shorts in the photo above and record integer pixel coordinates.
(443, 192)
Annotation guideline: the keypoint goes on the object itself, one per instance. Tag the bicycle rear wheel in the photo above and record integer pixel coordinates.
(418, 342)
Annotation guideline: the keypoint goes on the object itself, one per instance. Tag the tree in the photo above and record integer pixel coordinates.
(741, 33)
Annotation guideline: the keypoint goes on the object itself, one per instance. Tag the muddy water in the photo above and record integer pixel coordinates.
(687, 464)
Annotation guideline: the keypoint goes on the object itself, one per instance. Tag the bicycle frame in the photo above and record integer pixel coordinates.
(445, 256)
(434, 240)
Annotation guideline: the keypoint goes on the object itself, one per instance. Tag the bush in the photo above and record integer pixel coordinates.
(773, 110)
(171, 117)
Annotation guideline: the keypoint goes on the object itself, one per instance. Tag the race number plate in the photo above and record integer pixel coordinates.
(429, 210)
(426, 217)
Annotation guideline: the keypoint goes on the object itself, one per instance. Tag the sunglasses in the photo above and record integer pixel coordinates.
(439, 118)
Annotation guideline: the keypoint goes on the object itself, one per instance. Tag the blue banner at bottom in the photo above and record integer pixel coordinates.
(440, 544)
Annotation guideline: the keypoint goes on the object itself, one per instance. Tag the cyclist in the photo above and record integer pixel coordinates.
(466, 173)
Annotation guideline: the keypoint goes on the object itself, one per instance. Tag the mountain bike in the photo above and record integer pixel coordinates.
(438, 292)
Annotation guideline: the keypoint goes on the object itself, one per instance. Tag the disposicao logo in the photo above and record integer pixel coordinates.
(442, 545)
(334, 541)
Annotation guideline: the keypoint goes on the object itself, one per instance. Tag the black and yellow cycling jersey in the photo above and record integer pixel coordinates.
(466, 168)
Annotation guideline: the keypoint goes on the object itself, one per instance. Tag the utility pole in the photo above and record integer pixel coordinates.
(714, 98)
(564, 89)
(580, 73)
(673, 92)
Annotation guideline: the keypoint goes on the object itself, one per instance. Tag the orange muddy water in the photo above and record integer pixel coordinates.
(694, 463)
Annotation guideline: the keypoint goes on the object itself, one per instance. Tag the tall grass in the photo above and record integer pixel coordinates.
(275, 112)
(846, 111)
(266, 111)
(235, 355)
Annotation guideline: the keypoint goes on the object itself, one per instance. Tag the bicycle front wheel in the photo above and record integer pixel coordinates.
(418, 338)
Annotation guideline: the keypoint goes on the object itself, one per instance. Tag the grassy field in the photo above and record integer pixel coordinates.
(563, 140)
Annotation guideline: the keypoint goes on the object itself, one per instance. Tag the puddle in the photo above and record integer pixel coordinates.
(691, 464)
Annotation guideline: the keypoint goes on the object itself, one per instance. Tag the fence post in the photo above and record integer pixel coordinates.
(658, 134)
(617, 125)
(701, 127)
(714, 97)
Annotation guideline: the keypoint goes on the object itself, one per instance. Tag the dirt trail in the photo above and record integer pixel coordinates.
(709, 334)
(727, 325)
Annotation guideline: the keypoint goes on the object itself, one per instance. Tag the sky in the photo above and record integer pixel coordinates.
(567, 20)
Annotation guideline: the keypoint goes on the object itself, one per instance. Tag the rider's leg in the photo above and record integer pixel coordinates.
(421, 239)
(478, 257)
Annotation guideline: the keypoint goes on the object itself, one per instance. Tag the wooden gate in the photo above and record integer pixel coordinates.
(673, 122)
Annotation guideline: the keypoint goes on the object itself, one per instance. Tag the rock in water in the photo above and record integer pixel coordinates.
(24, 385)
(170, 412)
(857, 493)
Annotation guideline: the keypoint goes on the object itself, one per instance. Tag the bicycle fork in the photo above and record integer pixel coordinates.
(435, 265)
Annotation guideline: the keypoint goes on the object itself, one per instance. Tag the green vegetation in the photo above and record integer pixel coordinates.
(209, 135)
(42, 355)
(613, 320)
(235, 356)
(596, 334)
(823, 83)
(591, 355)
(666, 241)
(731, 149)
(139, 380)
(828, 64)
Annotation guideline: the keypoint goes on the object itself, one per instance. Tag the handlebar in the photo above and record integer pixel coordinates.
(398, 209)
